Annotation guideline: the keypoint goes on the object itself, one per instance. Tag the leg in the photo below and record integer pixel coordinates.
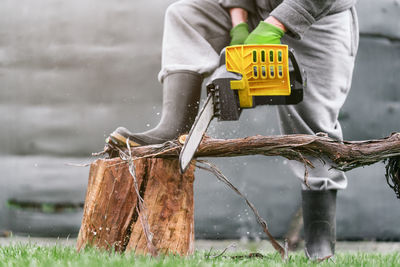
(319, 217)
(194, 34)
(327, 54)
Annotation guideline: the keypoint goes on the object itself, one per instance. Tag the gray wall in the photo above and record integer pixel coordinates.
(72, 71)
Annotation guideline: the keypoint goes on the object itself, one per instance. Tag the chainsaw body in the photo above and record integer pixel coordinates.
(252, 75)
(249, 75)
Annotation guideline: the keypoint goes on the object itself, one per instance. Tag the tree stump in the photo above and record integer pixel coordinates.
(111, 219)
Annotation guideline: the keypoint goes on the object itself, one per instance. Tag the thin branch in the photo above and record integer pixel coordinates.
(213, 169)
(141, 208)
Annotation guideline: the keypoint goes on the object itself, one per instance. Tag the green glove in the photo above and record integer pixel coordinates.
(265, 33)
(239, 33)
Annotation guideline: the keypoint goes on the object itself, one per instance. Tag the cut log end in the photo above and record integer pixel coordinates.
(182, 139)
(111, 221)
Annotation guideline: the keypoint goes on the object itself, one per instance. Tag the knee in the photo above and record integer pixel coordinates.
(178, 9)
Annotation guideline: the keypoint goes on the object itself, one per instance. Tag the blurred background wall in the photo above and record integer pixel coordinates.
(72, 71)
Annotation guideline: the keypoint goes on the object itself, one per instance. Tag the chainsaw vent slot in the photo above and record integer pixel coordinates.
(280, 56)
(271, 56)
(255, 72)
(254, 56)
(271, 72)
(262, 55)
(263, 72)
(280, 71)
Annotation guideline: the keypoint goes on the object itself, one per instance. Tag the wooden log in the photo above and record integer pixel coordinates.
(111, 219)
(345, 155)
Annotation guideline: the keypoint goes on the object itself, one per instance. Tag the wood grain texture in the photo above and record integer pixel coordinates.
(110, 218)
(169, 203)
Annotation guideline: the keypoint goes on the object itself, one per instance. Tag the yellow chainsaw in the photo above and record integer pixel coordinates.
(248, 76)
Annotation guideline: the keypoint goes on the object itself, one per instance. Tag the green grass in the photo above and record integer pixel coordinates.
(34, 255)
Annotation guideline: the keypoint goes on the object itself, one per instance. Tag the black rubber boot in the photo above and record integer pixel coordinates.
(181, 96)
(319, 215)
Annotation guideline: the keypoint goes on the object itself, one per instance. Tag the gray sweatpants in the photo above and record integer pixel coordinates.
(195, 31)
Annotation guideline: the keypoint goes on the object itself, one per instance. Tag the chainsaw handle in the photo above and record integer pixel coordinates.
(300, 76)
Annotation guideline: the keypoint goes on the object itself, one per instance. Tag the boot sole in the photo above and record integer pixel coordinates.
(118, 139)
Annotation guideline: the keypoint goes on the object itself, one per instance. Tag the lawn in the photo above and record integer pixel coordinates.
(35, 255)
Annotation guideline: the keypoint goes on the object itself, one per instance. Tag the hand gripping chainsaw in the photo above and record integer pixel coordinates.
(249, 75)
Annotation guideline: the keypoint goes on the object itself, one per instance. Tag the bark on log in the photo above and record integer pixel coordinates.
(111, 218)
(345, 155)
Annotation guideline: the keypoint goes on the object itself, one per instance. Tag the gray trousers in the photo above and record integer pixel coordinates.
(195, 31)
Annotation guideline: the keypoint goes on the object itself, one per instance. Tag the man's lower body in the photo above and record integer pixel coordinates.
(195, 31)
(327, 53)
